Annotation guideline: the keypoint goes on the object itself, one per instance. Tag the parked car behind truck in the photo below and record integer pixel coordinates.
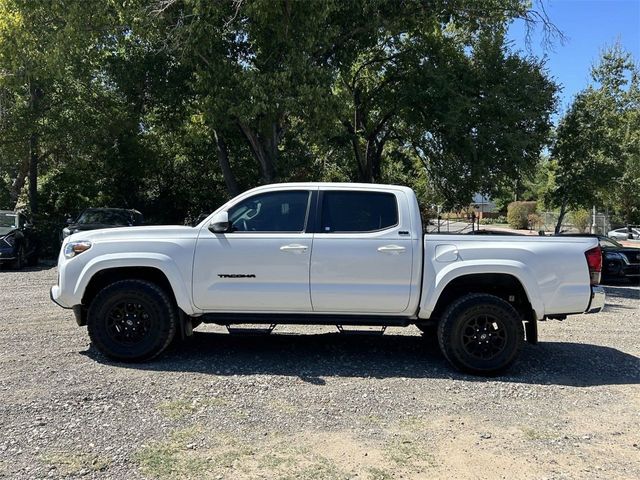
(626, 233)
(97, 218)
(619, 263)
(19, 245)
(329, 254)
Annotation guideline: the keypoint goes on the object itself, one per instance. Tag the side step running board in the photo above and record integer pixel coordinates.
(305, 319)
(251, 331)
(347, 331)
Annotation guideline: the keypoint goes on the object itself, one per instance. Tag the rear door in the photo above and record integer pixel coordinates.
(362, 252)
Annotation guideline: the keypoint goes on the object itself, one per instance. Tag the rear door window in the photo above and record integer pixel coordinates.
(358, 212)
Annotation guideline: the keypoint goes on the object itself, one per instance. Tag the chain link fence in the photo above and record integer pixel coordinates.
(600, 224)
(545, 221)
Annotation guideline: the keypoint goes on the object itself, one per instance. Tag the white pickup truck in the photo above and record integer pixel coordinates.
(329, 254)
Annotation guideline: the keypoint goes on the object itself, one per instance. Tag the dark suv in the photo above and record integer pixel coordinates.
(619, 263)
(18, 241)
(95, 218)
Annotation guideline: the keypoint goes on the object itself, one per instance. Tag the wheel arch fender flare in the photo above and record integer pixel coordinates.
(159, 261)
(516, 269)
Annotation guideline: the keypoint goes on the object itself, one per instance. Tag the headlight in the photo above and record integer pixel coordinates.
(10, 240)
(66, 232)
(72, 249)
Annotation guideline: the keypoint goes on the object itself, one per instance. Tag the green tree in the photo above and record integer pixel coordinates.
(597, 149)
(486, 122)
(363, 78)
(36, 41)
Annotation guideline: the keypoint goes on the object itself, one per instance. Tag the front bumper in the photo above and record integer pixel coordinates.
(7, 255)
(598, 297)
(54, 294)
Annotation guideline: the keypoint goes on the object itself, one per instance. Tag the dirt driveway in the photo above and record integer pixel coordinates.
(308, 403)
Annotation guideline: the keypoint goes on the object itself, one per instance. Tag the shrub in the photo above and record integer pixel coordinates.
(581, 220)
(492, 221)
(518, 214)
(535, 221)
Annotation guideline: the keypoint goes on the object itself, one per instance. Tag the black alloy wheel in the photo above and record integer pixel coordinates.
(484, 336)
(128, 323)
(481, 334)
(132, 320)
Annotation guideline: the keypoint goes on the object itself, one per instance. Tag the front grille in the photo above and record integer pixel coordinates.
(632, 258)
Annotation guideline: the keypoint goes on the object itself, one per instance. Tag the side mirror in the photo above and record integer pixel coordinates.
(220, 223)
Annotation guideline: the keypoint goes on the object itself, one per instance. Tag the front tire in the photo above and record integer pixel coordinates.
(132, 320)
(480, 334)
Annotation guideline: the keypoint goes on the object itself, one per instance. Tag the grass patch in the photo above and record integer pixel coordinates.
(183, 407)
(173, 457)
(318, 468)
(231, 457)
(534, 435)
(177, 409)
(376, 473)
(71, 463)
(410, 454)
(164, 459)
(273, 461)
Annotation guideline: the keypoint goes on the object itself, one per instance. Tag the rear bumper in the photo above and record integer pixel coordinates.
(598, 297)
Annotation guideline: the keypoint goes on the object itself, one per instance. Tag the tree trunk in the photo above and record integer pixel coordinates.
(225, 166)
(563, 212)
(35, 94)
(357, 153)
(18, 183)
(369, 161)
(33, 172)
(264, 150)
(360, 159)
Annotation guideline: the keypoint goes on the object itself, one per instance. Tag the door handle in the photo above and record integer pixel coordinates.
(392, 249)
(294, 248)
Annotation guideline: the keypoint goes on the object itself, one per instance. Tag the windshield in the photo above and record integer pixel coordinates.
(8, 221)
(106, 217)
(608, 243)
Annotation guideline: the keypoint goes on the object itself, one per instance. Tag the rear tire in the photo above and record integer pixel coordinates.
(32, 261)
(480, 334)
(132, 320)
(20, 260)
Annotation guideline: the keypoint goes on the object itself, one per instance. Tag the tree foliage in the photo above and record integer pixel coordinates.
(172, 106)
(597, 150)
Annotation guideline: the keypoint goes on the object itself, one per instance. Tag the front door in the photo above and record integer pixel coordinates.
(262, 264)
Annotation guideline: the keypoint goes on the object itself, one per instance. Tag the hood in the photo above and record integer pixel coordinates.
(136, 233)
(82, 227)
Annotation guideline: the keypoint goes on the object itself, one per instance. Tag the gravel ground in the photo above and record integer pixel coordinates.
(308, 403)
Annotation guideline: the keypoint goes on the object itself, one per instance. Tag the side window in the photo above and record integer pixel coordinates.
(271, 212)
(358, 211)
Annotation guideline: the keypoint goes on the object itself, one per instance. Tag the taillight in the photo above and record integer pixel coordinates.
(594, 261)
